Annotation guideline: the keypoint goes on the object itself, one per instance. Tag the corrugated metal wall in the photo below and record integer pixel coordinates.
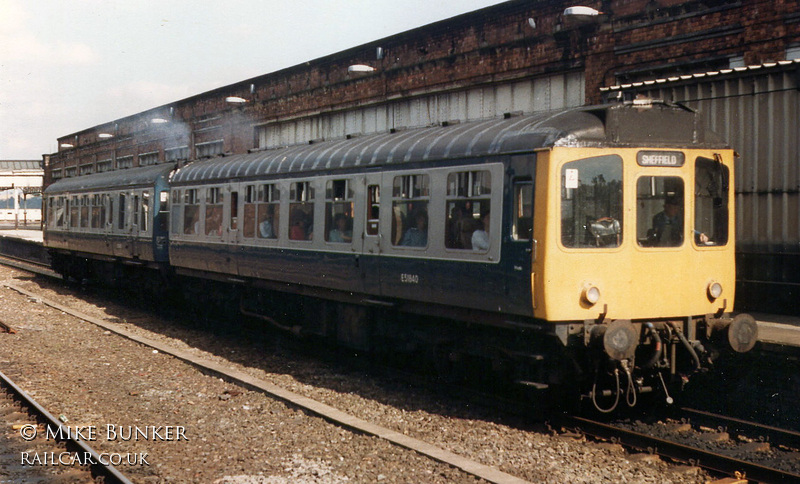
(759, 114)
(529, 95)
(757, 110)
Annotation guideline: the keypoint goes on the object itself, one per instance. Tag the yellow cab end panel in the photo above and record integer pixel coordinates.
(626, 279)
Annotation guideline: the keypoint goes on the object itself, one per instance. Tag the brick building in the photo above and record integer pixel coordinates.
(736, 60)
(516, 56)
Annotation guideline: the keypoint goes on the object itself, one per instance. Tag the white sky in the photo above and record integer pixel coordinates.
(68, 65)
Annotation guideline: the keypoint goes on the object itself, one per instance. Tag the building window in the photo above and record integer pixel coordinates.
(146, 159)
(736, 61)
(125, 162)
(793, 52)
(211, 148)
(176, 154)
(104, 165)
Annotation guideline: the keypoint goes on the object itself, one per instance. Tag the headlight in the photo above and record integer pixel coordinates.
(714, 290)
(590, 294)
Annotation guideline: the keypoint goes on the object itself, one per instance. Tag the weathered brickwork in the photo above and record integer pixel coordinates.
(631, 40)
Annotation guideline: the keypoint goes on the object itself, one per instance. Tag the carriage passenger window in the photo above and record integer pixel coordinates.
(95, 209)
(85, 211)
(162, 218)
(266, 210)
(710, 202)
(214, 201)
(249, 212)
(191, 212)
(143, 224)
(301, 211)
(72, 206)
(591, 202)
(373, 209)
(121, 218)
(522, 223)
(410, 195)
(234, 219)
(61, 211)
(468, 210)
(659, 211)
(177, 210)
(104, 213)
(338, 211)
(135, 213)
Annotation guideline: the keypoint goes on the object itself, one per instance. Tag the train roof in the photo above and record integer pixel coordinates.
(128, 178)
(655, 125)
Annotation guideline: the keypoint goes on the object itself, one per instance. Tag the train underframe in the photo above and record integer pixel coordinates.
(630, 359)
(602, 365)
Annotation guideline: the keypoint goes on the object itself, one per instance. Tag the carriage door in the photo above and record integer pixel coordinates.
(370, 258)
(519, 251)
(521, 246)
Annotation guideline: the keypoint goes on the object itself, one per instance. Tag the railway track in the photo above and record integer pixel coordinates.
(717, 462)
(40, 448)
(774, 436)
(477, 469)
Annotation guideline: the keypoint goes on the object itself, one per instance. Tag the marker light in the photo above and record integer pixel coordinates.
(714, 290)
(590, 294)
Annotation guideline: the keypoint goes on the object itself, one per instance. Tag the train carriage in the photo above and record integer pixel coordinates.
(113, 217)
(590, 249)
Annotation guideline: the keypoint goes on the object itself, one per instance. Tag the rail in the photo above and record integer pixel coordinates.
(705, 459)
(98, 465)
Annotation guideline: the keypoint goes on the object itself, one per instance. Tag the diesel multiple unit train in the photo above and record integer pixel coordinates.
(589, 251)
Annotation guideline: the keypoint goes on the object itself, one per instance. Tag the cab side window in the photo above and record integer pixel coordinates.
(522, 217)
(711, 202)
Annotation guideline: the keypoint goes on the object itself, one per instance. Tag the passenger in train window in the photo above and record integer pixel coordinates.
(266, 225)
(668, 224)
(453, 240)
(340, 233)
(265, 230)
(214, 221)
(417, 235)
(297, 225)
(480, 237)
(191, 220)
